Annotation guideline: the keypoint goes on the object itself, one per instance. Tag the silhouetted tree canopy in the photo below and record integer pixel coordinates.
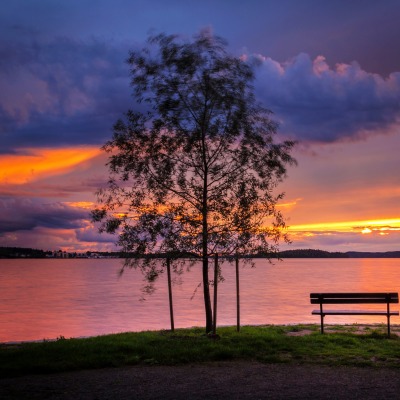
(197, 172)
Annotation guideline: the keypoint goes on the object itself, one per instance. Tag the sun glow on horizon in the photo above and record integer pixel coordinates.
(364, 227)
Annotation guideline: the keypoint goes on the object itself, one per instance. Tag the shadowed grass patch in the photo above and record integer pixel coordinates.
(270, 344)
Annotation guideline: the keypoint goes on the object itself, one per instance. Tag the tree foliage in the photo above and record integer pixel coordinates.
(196, 172)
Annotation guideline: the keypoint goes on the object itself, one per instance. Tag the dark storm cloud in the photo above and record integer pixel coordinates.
(317, 103)
(60, 92)
(64, 91)
(17, 214)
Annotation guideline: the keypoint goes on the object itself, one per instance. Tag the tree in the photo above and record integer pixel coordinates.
(196, 172)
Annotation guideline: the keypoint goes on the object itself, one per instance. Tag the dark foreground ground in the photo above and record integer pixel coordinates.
(220, 380)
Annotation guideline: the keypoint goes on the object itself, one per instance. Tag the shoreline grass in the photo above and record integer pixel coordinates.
(341, 346)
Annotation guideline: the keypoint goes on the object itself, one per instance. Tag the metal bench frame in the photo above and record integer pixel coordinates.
(354, 298)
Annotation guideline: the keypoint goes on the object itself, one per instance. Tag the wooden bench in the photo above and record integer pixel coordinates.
(354, 298)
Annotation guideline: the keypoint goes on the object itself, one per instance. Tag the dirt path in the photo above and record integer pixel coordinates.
(222, 380)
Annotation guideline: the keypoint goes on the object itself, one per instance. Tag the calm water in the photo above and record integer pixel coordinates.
(49, 298)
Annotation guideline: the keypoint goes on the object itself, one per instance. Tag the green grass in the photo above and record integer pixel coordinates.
(267, 344)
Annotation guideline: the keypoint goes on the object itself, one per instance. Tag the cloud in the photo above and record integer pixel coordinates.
(63, 91)
(91, 234)
(30, 223)
(19, 214)
(38, 163)
(317, 103)
(53, 239)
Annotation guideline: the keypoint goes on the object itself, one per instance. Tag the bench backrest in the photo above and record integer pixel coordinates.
(353, 298)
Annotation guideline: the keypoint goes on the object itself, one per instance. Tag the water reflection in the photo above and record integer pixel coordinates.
(49, 298)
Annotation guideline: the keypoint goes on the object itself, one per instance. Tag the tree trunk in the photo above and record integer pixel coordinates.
(171, 307)
(237, 295)
(207, 299)
(204, 211)
(215, 293)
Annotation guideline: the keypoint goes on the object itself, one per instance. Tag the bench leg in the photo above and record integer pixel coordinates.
(388, 324)
(322, 317)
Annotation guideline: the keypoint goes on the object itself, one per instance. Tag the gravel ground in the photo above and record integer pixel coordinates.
(222, 380)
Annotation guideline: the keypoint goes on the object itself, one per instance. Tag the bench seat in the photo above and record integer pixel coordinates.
(353, 312)
(384, 299)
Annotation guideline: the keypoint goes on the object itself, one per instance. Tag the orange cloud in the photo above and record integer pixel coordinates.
(289, 205)
(87, 205)
(18, 169)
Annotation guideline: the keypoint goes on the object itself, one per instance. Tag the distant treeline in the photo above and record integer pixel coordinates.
(387, 254)
(23, 252)
(311, 253)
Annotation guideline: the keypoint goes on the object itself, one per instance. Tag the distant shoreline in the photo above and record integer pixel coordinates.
(21, 252)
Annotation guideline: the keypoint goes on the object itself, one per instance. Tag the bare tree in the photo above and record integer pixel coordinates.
(197, 172)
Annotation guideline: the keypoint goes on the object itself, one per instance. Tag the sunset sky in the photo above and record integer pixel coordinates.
(329, 71)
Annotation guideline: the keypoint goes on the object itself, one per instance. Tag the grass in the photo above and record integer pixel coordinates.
(267, 344)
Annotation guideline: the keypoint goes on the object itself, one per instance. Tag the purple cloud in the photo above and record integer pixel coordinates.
(317, 103)
(61, 92)
(17, 214)
(90, 234)
(67, 91)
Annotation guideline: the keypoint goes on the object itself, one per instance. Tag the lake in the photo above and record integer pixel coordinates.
(49, 298)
